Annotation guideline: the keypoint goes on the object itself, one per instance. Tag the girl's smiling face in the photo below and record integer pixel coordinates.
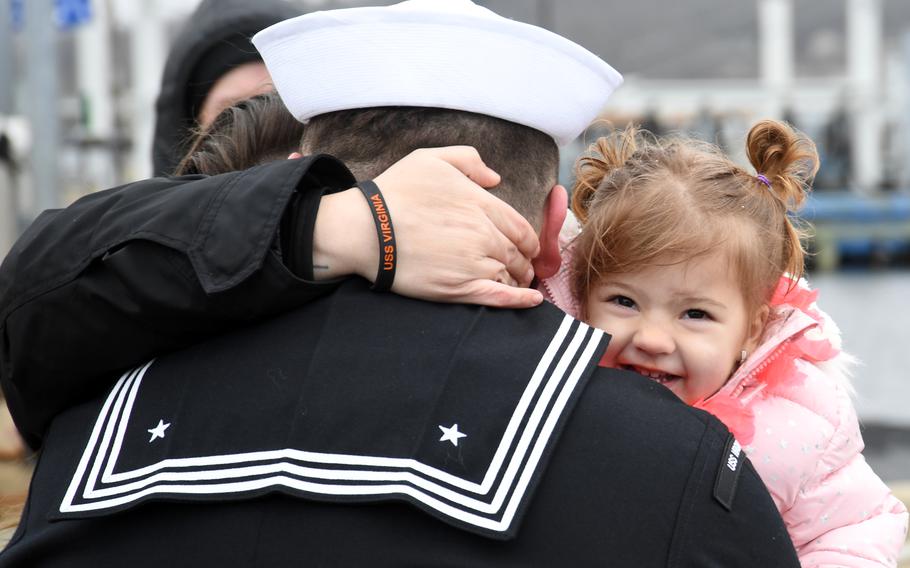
(684, 325)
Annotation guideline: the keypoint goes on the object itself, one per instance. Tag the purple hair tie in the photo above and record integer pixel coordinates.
(764, 180)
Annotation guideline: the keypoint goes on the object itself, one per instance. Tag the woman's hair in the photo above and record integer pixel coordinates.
(252, 132)
(647, 201)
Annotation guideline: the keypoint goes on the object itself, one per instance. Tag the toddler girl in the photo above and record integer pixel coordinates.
(693, 266)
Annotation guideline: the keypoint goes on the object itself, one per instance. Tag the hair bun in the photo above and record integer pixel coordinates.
(604, 156)
(784, 156)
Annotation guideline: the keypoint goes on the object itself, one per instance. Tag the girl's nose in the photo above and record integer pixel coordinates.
(653, 339)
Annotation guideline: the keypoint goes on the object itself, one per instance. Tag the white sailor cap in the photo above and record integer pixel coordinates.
(436, 53)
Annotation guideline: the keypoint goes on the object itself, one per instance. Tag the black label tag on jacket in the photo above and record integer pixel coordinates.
(731, 465)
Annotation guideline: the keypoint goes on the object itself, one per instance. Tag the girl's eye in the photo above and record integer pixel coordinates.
(623, 301)
(697, 314)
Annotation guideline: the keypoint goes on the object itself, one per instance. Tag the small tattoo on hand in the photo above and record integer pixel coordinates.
(320, 267)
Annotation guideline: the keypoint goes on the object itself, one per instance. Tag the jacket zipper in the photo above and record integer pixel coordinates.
(767, 360)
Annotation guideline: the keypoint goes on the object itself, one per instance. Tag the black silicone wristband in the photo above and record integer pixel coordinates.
(388, 251)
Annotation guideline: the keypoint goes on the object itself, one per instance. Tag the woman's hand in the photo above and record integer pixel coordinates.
(456, 242)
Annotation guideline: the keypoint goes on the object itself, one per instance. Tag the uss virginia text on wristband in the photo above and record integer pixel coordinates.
(388, 251)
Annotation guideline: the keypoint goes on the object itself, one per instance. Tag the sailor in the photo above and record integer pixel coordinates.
(364, 428)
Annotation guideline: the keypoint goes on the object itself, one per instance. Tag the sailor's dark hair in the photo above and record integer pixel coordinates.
(370, 140)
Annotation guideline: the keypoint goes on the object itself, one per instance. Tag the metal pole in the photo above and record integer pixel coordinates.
(904, 121)
(545, 15)
(149, 48)
(93, 66)
(864, 49)
(775, 36)
(9, 210)
(43, 111)
(6, 59)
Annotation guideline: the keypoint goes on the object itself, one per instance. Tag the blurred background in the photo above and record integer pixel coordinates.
(78, 80)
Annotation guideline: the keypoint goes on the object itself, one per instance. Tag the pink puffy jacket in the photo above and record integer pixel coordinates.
(789, 406)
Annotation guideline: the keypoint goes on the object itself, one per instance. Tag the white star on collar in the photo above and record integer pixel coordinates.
(158, 431)
(451, 434)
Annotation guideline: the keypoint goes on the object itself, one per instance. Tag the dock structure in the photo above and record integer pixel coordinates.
(848, 224)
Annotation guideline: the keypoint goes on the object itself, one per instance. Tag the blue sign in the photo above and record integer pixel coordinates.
(71, 13)
(16, 12)
(67, 13)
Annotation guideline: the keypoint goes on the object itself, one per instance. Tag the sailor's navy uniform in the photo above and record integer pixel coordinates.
(360, 429)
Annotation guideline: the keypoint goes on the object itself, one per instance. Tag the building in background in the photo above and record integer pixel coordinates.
(838, 69)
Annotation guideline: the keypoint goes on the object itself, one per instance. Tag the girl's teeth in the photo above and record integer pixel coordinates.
(656, 375)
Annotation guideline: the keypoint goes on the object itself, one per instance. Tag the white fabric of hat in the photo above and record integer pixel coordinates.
(436, 53)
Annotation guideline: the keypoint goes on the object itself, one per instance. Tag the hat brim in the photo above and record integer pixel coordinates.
(371, 57)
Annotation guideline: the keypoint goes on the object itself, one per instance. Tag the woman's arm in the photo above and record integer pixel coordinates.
(126, 274)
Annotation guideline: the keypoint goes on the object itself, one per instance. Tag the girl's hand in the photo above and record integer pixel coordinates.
(456, 242)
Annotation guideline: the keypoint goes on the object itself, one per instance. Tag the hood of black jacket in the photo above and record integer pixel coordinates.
(213, 22)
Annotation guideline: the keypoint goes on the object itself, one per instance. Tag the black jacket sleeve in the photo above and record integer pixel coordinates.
(644, 470)
(748, 533)
(125, 274)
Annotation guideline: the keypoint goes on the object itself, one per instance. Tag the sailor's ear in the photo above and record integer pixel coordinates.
(554, 214)
(294, 155)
